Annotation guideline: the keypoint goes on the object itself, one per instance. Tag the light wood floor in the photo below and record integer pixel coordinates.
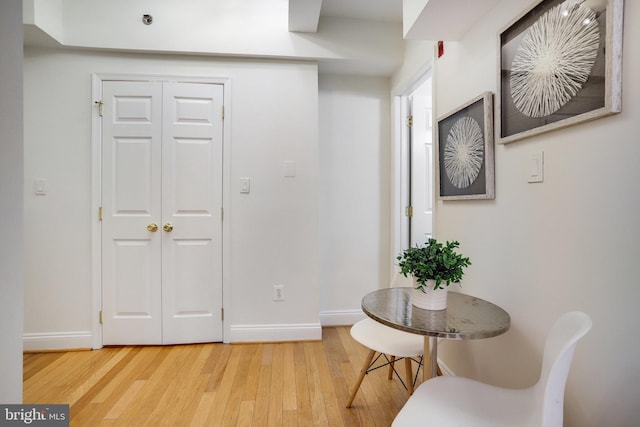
(281, 384)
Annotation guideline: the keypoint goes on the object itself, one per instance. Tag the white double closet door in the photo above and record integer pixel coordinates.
(162, 212)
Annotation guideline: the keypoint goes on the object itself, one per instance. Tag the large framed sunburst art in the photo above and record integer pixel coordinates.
(464, 151)
(560, 64)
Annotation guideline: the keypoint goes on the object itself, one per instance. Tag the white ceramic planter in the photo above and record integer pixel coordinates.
(431, 299)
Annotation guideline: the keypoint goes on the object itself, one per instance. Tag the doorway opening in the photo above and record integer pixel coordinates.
(414, 164)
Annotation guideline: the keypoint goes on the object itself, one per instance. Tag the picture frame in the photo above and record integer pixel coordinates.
(464, 151)
(559, 64)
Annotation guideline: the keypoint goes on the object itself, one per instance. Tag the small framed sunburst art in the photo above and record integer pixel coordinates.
(464, 151)
(560, 63)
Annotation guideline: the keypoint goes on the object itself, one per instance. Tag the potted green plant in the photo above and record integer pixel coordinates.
(434, 267)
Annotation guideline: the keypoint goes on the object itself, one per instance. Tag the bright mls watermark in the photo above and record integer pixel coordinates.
(34, 415)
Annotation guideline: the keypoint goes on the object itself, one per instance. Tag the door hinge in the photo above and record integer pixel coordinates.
(100, 105)
(221, 214)
(100, 317)
(409, 211)
(223, 112)
(222, 314)
(100, 213)
(409, 121)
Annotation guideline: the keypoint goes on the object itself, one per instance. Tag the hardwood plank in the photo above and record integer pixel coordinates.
(185, 383)
(275, 389)
(216, 365)
(253, 375)
(245, 413)
(192, 401)
(157, 383)
(279, 384)
(261, 409)
(222, 395)
(289, 398)
(318, 410)
(127, 398)
(136, 361)
(337, 357)
(289, 418)
(91, 373)
(35, 362)
(95, 404)
(304, 413)
(334, 351)
(202, 411)
(327, 386)
(234, 401)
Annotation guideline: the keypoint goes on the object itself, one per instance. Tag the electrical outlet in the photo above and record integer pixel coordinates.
(278, 292)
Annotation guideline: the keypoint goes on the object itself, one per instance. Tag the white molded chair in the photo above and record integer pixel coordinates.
(386, 341)
(460, 402)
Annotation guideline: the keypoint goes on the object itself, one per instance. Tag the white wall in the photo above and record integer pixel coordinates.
(570, 243)
(48, 14)
(355, 193)
(418, 58)
(273, 239)
(11, 230)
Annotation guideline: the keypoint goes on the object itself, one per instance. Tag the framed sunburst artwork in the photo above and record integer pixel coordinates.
(560, 64)
(464, 152)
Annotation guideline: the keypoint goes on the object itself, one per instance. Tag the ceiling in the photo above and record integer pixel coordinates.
(369, 10)
(424, 19)
(305, 15)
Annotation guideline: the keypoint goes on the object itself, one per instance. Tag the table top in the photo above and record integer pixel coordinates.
(466, 317)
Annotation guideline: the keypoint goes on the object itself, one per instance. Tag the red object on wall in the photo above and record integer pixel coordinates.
(440, 48)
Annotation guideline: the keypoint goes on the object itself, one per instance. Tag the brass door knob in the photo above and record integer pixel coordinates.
(153, 227)
(168, 227)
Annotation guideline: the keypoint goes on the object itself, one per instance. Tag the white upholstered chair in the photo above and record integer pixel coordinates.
(460, 402)
(387, 343)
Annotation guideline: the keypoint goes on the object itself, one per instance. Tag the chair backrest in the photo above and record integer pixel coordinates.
(558, 355)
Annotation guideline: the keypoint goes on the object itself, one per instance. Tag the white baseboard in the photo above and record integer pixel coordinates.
(57, 341)
(276, 332)
(341, 317)
(444, 368)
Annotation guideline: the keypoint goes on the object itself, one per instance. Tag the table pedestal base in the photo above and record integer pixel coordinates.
(430, 360)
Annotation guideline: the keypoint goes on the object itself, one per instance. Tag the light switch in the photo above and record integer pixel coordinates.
(533, 167)
(245, 185)
(536, 167)
(41, 187)
(289, 169)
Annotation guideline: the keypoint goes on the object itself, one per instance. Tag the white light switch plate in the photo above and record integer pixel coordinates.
(289, 168)
(41, 187)
(245, 185)
(536, 167)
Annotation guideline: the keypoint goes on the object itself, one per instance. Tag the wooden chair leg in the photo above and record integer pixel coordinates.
(363, 372)
(391, 364)
(409, 375)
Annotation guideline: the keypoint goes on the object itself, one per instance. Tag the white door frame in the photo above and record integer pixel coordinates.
(400, 158)
(96, 190)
